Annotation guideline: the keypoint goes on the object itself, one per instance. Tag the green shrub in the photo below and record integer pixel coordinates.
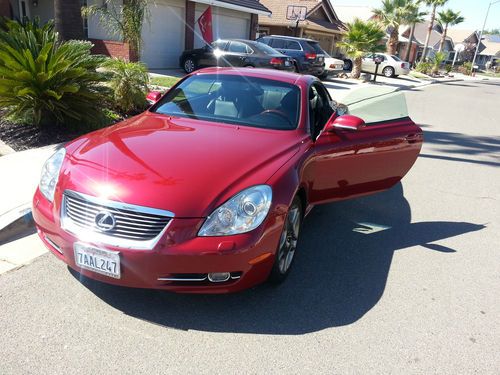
(423, 67)
(466, 68)
(129, 82)
(448, 68)
(43, 81)
(437, 60)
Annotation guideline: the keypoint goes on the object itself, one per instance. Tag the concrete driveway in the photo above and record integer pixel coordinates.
(406, 281)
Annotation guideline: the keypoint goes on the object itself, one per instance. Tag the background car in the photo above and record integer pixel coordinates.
(391, 65)
(332, 66)
(306, 53)
(207, 190)
(236, 53)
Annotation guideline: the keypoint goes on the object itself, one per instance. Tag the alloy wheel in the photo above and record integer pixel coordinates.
(289, 238)
(388, 71)
(189, 66)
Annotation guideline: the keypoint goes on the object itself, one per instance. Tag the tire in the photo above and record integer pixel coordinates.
(249, 66)
(347, 65)
(189, 65)
(296, 68)
(323, 76)
(388, 71)
(287, 245)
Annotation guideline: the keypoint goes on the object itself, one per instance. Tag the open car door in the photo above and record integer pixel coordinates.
(369, 150)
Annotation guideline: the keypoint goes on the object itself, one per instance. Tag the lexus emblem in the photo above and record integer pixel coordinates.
(105, 221)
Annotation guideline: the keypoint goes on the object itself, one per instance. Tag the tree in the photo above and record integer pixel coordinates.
(126, 21)
(360, 38)
(445, 19)
(434, 4)
(391, 15)
(414, 16)
(68, 19)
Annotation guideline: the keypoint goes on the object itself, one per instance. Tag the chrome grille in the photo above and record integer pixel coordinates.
(134, 223)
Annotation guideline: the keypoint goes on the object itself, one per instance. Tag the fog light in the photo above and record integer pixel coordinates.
(219, 277)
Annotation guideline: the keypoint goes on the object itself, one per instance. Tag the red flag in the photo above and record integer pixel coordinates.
(205, 23)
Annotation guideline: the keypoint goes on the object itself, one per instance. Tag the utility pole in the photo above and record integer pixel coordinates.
(481, 33)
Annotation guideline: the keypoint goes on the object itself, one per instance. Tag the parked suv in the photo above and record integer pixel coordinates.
(307, 54)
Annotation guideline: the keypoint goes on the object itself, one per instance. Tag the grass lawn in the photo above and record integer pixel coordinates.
(165, 81)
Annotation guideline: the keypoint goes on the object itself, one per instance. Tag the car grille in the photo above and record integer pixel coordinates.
(131, 222)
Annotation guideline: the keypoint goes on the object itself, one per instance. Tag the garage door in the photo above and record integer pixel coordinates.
(163, 36)
(225, 24)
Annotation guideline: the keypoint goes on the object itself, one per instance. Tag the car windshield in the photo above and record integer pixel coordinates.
(266, 49)
(239, 100)
(396, 58)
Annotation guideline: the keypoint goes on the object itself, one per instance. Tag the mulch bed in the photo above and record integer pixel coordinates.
(24, 137)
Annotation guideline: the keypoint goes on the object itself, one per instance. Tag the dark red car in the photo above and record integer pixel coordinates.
(207, 190)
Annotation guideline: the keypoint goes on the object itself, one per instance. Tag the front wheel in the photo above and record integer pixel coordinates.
(288, 243)
(189, 65)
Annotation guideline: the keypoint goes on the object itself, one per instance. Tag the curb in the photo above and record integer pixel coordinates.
(5, 149)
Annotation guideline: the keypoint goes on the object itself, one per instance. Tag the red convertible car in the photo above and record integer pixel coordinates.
(206, 191)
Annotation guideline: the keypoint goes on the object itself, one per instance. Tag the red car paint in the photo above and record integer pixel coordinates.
(190, 167)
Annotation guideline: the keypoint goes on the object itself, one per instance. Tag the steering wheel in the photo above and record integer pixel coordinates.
(277, 112)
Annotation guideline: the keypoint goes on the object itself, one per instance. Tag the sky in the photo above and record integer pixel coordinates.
(474, 11)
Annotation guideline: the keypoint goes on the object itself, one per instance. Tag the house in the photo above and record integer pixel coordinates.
(419, 38)
(469, 39)
(172, 26)
(321, 22)
(492, 51)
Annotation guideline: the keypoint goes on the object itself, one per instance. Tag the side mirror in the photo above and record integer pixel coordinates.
(345, 122)
(153, 97)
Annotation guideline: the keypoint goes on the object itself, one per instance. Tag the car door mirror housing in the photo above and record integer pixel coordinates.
(345, 122)
(153, 97)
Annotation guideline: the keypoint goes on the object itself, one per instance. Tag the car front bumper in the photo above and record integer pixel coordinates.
(179, 254)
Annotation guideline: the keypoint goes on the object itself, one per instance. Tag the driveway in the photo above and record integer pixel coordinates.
(406, 281)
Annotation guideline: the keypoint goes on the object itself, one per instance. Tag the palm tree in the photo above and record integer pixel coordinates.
(448, 18)
(434, 4)
(391, 15)
(361, 37)
(414, 16)
(126, 21)
(68, 19)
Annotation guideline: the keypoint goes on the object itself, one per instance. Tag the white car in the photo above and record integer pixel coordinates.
(391, 65)
(332, 66)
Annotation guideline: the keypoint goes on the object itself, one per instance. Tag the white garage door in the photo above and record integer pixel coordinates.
(163, 36)
(225, 24)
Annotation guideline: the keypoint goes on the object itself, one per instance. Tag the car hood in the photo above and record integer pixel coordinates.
(182, 165)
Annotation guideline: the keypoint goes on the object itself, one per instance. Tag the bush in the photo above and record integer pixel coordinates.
(129, 82)
(448, 68)
(437, 60)
(43, 81)
(423, 67)
(466, 68)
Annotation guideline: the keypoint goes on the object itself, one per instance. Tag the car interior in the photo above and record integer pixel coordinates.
(320, 109)
(260, 103)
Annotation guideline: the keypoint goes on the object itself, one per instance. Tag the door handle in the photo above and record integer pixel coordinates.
(412, 138)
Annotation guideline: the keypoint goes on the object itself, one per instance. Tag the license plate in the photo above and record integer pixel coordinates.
(320, 59)
(102, 261)
(287, 63)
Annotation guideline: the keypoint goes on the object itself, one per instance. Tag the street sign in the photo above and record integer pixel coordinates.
(296, 13)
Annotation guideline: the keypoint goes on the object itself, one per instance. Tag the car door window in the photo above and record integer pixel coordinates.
(320, 109)
(292, 45)
(278, 43)
(238, 47)
(219, 44)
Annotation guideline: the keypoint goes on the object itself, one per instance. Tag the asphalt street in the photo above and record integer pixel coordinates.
(403, 282)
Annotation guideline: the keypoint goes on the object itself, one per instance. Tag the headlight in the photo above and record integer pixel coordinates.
(242, 213)
(50, 174)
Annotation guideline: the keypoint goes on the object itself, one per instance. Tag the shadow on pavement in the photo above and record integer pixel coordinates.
(462, 147)
(339, 274)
